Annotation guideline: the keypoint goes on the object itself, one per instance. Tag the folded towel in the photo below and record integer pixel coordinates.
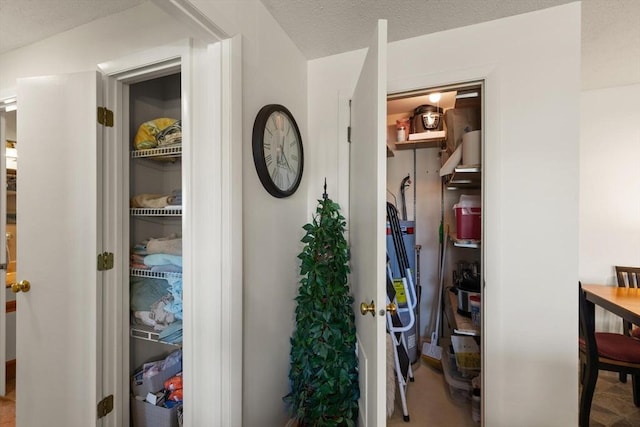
(172, 333)
(167, 268)
(175, 198)
(162, 259)
(149, 201)
(174, 304)
(171, 135)
(144, 292)
(165, 245)
(137, 258)
(139, 266)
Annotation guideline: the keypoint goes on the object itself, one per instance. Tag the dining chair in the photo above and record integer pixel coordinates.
(628, 277)
(603, 351)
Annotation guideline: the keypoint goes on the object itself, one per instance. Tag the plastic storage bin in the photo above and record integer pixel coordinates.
(468, 217)
(145, 414)
(459, 387)
(140, 387)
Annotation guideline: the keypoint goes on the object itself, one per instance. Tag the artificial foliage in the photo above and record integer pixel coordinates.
(324, 366)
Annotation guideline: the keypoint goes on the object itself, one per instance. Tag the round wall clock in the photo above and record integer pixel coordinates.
(277, 150)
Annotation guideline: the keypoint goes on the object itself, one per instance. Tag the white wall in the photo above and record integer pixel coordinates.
(609, 187)
(274, 72)
(531, 188)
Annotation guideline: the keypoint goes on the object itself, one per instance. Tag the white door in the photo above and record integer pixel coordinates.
(367, 224)
(58, 243)
(511, 63)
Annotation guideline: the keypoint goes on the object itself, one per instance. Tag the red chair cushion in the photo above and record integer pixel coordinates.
(618, 347)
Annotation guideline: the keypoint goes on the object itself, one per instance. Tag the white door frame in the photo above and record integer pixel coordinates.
(212, 165)
(3, 257)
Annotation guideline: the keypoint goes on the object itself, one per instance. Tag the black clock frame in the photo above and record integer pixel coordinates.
(259, 161)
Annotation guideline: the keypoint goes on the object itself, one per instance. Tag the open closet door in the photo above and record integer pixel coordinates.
(367, 173)
(58, 243)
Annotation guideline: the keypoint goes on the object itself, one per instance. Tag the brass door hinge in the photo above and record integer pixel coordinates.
(105, 406)
(105, 116)
(105, 261)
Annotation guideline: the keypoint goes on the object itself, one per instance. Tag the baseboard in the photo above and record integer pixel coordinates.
(11, 369)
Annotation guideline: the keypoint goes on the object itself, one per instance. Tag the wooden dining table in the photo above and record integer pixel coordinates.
(625, 302)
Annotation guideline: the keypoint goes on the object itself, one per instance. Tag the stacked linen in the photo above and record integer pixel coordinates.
(175, 198)
(161, 132)
(158, 201)
(158, 302)
(152, 303)
(161, 255)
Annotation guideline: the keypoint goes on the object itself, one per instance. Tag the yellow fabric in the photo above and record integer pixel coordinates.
(148, 132)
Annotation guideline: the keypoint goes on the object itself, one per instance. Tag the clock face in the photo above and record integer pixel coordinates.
(277, 150)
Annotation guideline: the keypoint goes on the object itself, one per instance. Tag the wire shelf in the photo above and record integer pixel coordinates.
(147, 333)
(168, 211)
(172, 151)
(138, 272)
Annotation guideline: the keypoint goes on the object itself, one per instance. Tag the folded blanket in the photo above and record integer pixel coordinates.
(149, 201)
(139, 266)
(172, 333)
(175, 198)
(170, 135)
(174, 305)
(167, 268)
(158, 133)
(145, 291)
(156, 302)
(162, 259)
(165, 245)
(137, 258)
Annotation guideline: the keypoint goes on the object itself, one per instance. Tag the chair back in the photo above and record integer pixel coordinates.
(587, 325)
(628, 277)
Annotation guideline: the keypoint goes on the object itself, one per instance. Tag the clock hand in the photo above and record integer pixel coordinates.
(284, 156)
(286, 163)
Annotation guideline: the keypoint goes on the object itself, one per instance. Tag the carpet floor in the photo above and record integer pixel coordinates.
(430, 404)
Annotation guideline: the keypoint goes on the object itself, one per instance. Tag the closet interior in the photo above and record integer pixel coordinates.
(155, 207)
(434, 183)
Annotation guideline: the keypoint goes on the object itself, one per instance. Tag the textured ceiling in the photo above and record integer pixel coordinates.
(610, 28)
(23, 22)
(327, 27)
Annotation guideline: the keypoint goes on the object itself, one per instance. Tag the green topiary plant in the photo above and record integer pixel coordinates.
(324, 365)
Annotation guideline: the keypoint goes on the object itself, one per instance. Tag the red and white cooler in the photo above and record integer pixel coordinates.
(468, 212)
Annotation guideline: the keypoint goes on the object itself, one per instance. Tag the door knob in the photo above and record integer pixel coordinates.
(368, 308)
(391, 308)
(22, 285)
